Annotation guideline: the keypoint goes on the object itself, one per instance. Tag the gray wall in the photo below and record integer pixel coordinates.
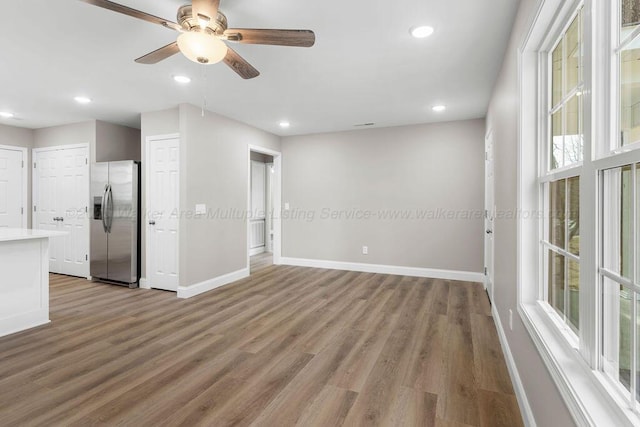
(429, 168)
(546, 403)
(76, 133)
(115, 142)
(216, 151)
(21, 137)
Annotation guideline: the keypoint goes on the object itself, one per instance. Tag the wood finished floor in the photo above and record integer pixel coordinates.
(287, 346)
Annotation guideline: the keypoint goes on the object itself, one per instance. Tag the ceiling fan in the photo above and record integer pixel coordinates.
(204, 30)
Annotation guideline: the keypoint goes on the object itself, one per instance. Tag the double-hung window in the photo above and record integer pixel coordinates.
(579, 166)
(560, 176)
(619, 182)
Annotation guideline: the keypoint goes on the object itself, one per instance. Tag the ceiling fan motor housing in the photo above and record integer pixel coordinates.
(187, 22)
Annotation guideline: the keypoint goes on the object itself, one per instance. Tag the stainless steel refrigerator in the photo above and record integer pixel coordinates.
(115, 222)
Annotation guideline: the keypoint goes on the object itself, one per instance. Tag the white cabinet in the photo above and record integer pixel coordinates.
(60, 203)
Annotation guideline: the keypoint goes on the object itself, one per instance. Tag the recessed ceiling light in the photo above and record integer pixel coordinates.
(421, 31)
(439, 108)
(82, 99)
(6, 114)
(182, 79)
(285, 125)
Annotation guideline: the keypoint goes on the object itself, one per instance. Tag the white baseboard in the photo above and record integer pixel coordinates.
(208, 285)
(465, 276)
(11, 325)
(523, 402)
(144, 284)
(256, 251)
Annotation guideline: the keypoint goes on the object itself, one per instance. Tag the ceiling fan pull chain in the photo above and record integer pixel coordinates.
(204, 91)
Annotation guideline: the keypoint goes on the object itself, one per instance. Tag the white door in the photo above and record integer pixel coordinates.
(61, 194)
(162, 207)
(74, 198)
(12, 204)
(489, 216)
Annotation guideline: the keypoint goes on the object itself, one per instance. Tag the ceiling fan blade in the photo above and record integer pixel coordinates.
(297, 38)
(240, 65)
(159, 54)
(205, 8)
(125, 10)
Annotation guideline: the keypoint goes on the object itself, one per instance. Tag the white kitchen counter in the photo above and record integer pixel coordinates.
(12, 234)
(24, 278)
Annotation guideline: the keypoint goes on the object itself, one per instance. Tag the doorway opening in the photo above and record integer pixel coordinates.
(263, 225)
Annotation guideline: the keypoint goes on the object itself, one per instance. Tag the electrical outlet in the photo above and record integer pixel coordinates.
(511, 319)
(365, 250)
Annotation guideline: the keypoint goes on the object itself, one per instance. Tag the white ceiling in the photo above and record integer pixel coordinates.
(365, 67)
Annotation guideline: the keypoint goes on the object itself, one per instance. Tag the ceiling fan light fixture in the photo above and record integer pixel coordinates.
(202, 47)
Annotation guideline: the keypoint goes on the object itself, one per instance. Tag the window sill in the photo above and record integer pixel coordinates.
(589, 397)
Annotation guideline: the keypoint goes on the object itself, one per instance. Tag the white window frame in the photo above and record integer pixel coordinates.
(573, 364)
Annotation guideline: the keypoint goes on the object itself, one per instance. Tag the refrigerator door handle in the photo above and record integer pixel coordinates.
(103, 208)
(109, 209)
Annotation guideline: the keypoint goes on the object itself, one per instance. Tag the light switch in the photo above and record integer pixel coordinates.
(286, 206)
(201, 209)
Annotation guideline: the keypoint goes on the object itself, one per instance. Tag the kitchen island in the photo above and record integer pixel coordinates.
(24, 278)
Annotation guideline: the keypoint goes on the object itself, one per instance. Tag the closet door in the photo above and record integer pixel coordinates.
(46, 213)
(60, 193)
(74, 191)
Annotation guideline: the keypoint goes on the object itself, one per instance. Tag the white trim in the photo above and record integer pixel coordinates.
(208, 285)
(277, 202)
(464, 276)
(521, 395)
(62, 147)
(585, 392)
(26, 165)
(144, 284)
(143, 218)
(257, 251)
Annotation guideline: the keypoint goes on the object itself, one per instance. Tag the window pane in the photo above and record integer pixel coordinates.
(573, 140)
(626, 226)
(556, 281)
(630, 13)
(573, 53)
(557, 206)
(574, 215)
(637, 251)
(625, 337)
(617, 332)
(556, 75)
(630, 93)
(574, 294)
(557, 140)
(637, 299)
(617, 221)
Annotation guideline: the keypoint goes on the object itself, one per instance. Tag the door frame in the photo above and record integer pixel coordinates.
(34, 190)
(489, 238)
(277, 202)
(144, 281)
(25, 179)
